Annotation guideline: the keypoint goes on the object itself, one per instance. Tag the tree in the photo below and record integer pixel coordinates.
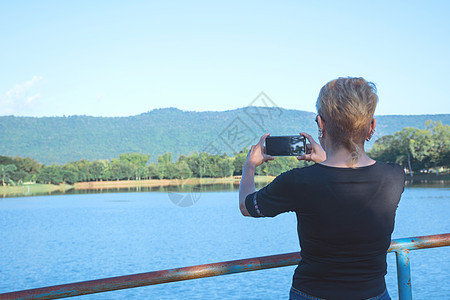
(164, 168)
(193, 163)
(239, 160)
(440, 140)
(402, 141)
(182, 170)
(395, 148)
(84, 167)
(6, 160)
(6, 171)
(416, 149)
(152, 171)
(26, 167)
(68, 176)
(99, 170)
(138, 161)
(50, 174)
(420, 147)
(121, 169)
(27, 164)
(69, 173)
(19, 176)
(225, 165)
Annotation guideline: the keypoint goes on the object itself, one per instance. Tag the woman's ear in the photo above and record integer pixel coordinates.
(373, 125)
(321, 123)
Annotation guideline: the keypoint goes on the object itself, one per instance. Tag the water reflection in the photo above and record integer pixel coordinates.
(196, 188)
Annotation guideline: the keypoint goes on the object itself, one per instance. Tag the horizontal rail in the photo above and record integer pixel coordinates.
(200, 271)
(420, 242)
(157, 277)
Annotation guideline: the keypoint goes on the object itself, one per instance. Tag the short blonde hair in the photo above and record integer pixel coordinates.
(346, 105)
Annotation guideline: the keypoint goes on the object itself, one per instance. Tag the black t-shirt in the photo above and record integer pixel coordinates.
(345, 218)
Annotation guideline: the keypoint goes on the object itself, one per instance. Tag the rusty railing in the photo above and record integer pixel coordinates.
(401, 247)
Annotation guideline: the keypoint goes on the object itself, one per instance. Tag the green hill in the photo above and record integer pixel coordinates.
(63, 139)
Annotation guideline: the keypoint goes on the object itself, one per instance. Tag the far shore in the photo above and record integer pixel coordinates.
(48, 189)
(37, 189)
(445, 176)
(163, 182)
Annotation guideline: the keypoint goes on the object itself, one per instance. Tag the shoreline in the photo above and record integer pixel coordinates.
(37, 189)
(432, 177)
(95, 185)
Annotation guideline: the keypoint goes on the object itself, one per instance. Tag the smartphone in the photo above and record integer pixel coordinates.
(293, 145)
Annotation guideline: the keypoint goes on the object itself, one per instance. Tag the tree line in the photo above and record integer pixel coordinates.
(415, 149)
(135, 166)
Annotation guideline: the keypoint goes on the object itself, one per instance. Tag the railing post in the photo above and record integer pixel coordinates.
(403, 275)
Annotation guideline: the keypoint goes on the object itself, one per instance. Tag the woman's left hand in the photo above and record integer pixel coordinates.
(257, 154)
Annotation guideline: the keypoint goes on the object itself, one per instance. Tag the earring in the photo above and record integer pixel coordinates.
(320, 133)
(370, 135)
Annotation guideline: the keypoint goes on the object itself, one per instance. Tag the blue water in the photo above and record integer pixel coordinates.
(50, 240)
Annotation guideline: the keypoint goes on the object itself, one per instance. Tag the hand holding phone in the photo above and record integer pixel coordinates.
(314, 151)
(256, 156)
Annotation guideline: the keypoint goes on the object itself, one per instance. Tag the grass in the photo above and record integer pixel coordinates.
(32, 189)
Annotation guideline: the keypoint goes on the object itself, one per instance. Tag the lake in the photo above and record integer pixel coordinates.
(49, 240)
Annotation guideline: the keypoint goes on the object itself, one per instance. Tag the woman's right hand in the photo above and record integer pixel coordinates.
(314, 152)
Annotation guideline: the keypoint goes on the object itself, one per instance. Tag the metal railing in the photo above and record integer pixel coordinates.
(401, 247)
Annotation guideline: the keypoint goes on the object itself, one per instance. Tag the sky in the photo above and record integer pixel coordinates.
(122, 58)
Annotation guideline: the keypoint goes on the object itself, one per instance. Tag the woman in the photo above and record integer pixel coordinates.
(345, 203)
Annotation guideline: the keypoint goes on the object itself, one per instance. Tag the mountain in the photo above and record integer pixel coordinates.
(62, 139)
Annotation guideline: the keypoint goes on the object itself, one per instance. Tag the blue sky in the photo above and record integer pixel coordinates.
(121, 58)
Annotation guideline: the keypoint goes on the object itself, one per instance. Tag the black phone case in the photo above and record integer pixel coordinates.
(292, 145)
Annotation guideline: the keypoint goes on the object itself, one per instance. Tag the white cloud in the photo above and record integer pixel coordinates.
(31, 99)
(17, 99)
(19, 89)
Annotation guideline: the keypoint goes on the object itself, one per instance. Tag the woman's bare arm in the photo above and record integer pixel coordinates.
(246, 187)
(256, 156)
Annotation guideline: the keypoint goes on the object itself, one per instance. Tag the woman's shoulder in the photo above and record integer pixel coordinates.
(307, 169)
(377, 167)
(303, 174)
(392, 167)
(311, 169)
(294, 173)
